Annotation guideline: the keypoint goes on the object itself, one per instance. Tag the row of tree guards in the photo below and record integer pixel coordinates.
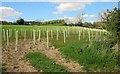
(49, 33)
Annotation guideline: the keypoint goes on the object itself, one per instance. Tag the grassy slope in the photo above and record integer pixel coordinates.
(29, 30)
(41, 62)
(94, 56)
(18, 27)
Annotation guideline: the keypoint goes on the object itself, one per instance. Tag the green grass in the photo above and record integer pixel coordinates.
(92, 55)
(41, 62)
(24, 27)
(29, 29)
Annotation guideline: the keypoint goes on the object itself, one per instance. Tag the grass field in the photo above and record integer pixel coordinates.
(91, 48)
(93, 55)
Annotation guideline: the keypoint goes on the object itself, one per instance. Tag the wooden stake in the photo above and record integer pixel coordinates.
(34, 36)
(57, 35)
(4, 34)
(7, 37)
(100, 33)
(92, 34)
(99, 36)
(79, 34)
(47, 39)
(39, 35)
(31, 33)
(16, 36)
(51, 34)
(83, 33)
(96, 35)
(9, 33)
(64, 36)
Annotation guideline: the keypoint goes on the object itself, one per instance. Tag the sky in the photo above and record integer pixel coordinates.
(11, 10)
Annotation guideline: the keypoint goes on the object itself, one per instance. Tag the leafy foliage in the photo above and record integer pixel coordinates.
(54, 22)
(112, 20)
(20, 21)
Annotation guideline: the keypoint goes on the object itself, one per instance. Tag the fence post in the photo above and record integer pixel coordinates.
(79, 34)
(7, 37)
(64, 36)
(51, 34)
(16, 36)
(9, 32)
(100, 35)
(39, 35)
(92, 34)
(47, 39)
(57, 35)
(31, 33)
(34, 36)
(4, 38)
(96, 36)
(83, 33)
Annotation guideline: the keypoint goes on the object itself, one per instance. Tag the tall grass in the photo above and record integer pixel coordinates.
(92, 55)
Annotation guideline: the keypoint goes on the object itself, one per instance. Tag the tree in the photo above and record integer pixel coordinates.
(80, 17)
(20, 21)
(112, 21)
(74, 21)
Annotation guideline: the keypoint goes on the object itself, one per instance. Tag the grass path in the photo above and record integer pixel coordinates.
(16, 63)
(55, 54)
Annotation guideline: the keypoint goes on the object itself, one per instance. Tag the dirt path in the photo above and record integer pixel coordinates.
(55, 54)
(14, 60)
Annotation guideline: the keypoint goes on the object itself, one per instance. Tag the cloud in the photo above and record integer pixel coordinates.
(7, 12)
(87, 16)
(70, 5)
(66, 5)
(73, 5)
(63, 7)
